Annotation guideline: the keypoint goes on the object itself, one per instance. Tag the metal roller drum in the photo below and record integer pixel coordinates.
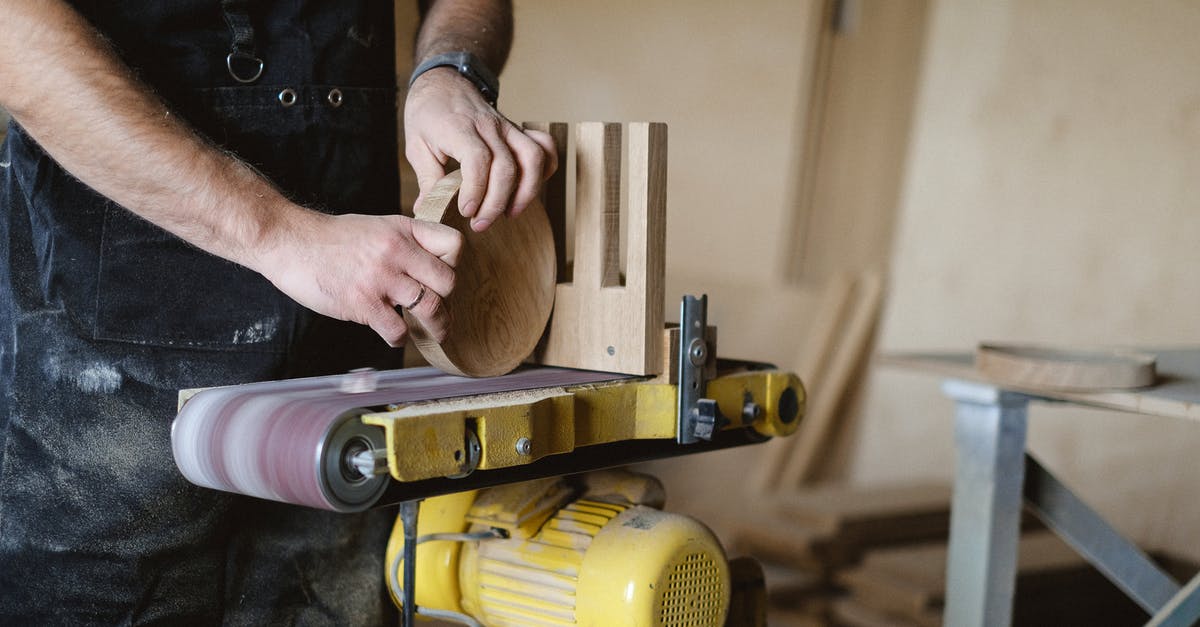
(292, 441)
(278, 448)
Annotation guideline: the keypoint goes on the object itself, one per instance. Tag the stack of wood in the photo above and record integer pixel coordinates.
(906, 586)
(806, 538)
(876, 557)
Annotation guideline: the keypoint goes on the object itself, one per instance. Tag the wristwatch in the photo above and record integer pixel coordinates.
(469, 67)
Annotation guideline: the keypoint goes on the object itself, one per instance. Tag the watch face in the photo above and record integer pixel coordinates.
(483, 78)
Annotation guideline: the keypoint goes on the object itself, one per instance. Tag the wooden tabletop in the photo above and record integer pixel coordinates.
(1176, 395)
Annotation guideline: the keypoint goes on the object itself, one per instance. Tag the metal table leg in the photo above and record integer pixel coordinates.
(1182, 610)
(1120, 560)
(990, 428)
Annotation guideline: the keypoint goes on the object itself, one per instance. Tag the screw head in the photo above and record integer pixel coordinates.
(697, 352)
(524, 446)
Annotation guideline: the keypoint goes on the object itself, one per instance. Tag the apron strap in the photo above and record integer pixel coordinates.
(242, 61)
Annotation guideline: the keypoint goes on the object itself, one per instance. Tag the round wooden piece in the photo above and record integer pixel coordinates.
(504, 289)
(1060, 369)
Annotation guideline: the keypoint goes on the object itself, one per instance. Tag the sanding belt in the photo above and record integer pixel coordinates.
(286, 440)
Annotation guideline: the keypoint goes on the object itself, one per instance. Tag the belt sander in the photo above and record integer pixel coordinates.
(511, 532)
(513, 544)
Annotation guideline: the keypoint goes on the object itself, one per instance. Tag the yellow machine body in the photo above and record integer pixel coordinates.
(425, 440)
(597, 554)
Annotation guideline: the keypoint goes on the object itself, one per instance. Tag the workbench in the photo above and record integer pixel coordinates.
(995, 475)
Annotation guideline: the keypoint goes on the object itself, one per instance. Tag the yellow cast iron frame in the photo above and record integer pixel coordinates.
(430, 440)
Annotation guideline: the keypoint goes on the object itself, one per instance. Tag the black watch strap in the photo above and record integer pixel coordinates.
(469, 67)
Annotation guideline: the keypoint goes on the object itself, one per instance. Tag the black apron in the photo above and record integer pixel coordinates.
(104, 317)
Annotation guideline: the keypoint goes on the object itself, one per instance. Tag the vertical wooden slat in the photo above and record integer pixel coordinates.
(597, 204)
(647, 233)
(554, 193)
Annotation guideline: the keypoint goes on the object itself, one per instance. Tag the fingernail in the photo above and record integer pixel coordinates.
(469, 209)
(481, 224)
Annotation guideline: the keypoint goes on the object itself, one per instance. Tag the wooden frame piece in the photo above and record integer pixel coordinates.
(599, 323)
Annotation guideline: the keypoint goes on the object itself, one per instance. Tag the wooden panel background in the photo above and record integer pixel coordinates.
(1052, 195)
(1049, 194)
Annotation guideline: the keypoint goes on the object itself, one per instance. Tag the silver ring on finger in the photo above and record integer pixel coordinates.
(417, 301)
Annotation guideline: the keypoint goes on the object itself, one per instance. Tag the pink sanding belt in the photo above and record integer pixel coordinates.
(268, 439)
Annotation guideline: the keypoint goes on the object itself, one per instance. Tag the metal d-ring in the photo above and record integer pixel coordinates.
(243, 56)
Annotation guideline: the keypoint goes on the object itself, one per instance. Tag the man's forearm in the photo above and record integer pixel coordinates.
(70, 92)
(481, 27)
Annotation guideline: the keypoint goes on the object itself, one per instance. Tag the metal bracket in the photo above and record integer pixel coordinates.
(699, 417)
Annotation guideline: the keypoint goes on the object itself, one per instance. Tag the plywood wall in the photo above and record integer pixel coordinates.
(1052, 194)
(730, 83)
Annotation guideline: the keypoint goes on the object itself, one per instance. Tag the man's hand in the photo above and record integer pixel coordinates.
(445, 117)
(362, 268)
(503, 166)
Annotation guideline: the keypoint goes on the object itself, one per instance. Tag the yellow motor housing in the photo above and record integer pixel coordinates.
(570, 558)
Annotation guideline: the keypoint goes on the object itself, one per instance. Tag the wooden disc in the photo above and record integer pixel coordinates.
(504, 289)
(1061, 369)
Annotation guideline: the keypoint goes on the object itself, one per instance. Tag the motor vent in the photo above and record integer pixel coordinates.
(694, 592)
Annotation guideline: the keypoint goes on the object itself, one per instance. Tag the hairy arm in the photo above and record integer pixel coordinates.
(70, 92)
(445, 117)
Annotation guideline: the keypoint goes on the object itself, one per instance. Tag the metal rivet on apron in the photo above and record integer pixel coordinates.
(287, 97)
(335, 97)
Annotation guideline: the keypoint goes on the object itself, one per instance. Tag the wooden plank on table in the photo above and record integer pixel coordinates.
(1177, 394)
(1065, 369)
(598, 323)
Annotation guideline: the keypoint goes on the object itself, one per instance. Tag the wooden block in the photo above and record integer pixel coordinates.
(502, 301)
(598, 323)
(670, 354)
(1065, 369)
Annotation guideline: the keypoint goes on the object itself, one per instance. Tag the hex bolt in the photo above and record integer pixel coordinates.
(524, 446)
(698, 352)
